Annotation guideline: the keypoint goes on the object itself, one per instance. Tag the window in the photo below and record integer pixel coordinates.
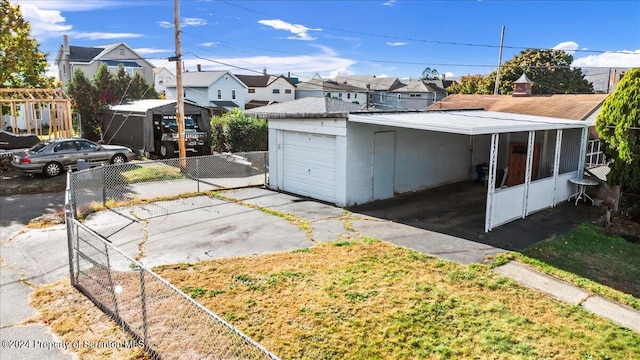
(168, 78)
(159, 79)
(233, 94)
(415, 95)
(65, 146)
(86, 145)
(383, 97)
(348, 95)
(328, 95)
(355, 96)
(122, 52)
(399, 96)
(276, 91)
(340, 96)
(219, 94)
(252, 91)
(287, 91)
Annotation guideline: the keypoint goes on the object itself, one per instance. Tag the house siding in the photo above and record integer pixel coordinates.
(266, 93)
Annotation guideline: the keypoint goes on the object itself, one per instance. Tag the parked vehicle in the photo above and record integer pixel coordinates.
(166, 130)
(52, 157)
(149, 127)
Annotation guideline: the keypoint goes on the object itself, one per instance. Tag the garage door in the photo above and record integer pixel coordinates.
(309, 166)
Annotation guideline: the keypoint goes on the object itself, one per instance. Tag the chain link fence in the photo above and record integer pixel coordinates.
(159, 317)
(116, 185)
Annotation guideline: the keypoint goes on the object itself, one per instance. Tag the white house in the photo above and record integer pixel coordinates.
(348, 158)
(332, 89)
(89, 59)
(161, 77)
(266, 89)
(211, 89)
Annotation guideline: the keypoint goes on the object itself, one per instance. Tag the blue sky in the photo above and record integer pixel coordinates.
(368, 37)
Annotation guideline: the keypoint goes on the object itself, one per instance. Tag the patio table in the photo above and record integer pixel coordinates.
(582, 189)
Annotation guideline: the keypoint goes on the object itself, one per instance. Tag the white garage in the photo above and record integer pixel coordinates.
(309, 165)
(347, 157)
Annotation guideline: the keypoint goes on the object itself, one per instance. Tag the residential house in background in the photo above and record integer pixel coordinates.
(416, 94)
(161, 77)
(89, 59)
(212, 89)
(379, 89)
(266, 89)
(332, 89)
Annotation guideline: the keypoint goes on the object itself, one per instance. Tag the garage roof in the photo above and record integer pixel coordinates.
(466, 122)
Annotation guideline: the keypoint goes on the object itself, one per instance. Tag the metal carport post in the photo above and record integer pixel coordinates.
(491, 186)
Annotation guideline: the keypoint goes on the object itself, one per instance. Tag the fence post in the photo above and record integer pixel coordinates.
(198, 172)
(143, 301)
(68, 208)
(104, 186)
(264, 167)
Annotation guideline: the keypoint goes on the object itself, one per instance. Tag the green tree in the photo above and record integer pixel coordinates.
(22, 65)
(140, 89)
(85, 103)
(234, 132)
(549, 69)
(618, 126)
(105, 86)
(468, 84)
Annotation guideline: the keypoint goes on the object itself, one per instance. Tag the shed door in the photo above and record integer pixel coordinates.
(383, 164)
(309, 165)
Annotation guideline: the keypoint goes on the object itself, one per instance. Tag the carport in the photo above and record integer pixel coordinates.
(355, 158)
(528, 160)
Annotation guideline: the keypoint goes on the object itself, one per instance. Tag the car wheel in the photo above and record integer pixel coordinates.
(52, 169)
(166, 150)
(118, 159)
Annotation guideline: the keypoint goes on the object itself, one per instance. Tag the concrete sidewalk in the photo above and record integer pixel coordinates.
(565, 292)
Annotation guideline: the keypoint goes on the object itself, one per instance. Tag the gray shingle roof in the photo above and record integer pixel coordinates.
(308, 107)
(83, 54)
(376, 83)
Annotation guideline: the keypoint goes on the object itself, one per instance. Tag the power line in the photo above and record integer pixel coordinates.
(440, 42)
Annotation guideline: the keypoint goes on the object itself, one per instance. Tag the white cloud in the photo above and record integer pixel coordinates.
(68, 5)
(300, 31)
(165, 24)
(142, 51)
(568, 46)
(624, 58)
(389, 3)
(325, 49)
(210, 43)
(449, 74)
(340, 72)
(396, 43)
(193, 22)
(382, 76)
(45, 24)
(103, 36)
(321, 64)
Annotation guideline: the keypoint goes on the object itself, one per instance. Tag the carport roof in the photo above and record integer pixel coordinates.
(466, 122)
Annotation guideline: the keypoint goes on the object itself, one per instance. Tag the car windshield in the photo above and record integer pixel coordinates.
(39, 146)
(171, 122)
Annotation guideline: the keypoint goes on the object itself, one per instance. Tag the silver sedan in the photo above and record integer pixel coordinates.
(52, 157)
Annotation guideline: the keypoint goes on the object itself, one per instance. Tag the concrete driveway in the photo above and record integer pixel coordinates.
(191, 230)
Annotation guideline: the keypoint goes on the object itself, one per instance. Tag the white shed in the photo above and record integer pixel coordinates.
(350, 158)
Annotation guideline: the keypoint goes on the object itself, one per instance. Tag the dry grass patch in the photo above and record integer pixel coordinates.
(372, 300)
(73, 318)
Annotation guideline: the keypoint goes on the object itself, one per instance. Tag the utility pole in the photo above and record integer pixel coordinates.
(179, 91)
(497, 86)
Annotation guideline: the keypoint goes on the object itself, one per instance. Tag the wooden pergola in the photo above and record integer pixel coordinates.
(30, 109)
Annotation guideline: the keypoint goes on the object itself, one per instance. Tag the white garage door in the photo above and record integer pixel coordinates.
(309, 166)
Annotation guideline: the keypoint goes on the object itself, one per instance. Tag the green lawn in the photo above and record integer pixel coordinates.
(592, 254)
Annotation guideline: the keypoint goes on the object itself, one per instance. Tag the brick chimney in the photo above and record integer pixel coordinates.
(522, 86)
